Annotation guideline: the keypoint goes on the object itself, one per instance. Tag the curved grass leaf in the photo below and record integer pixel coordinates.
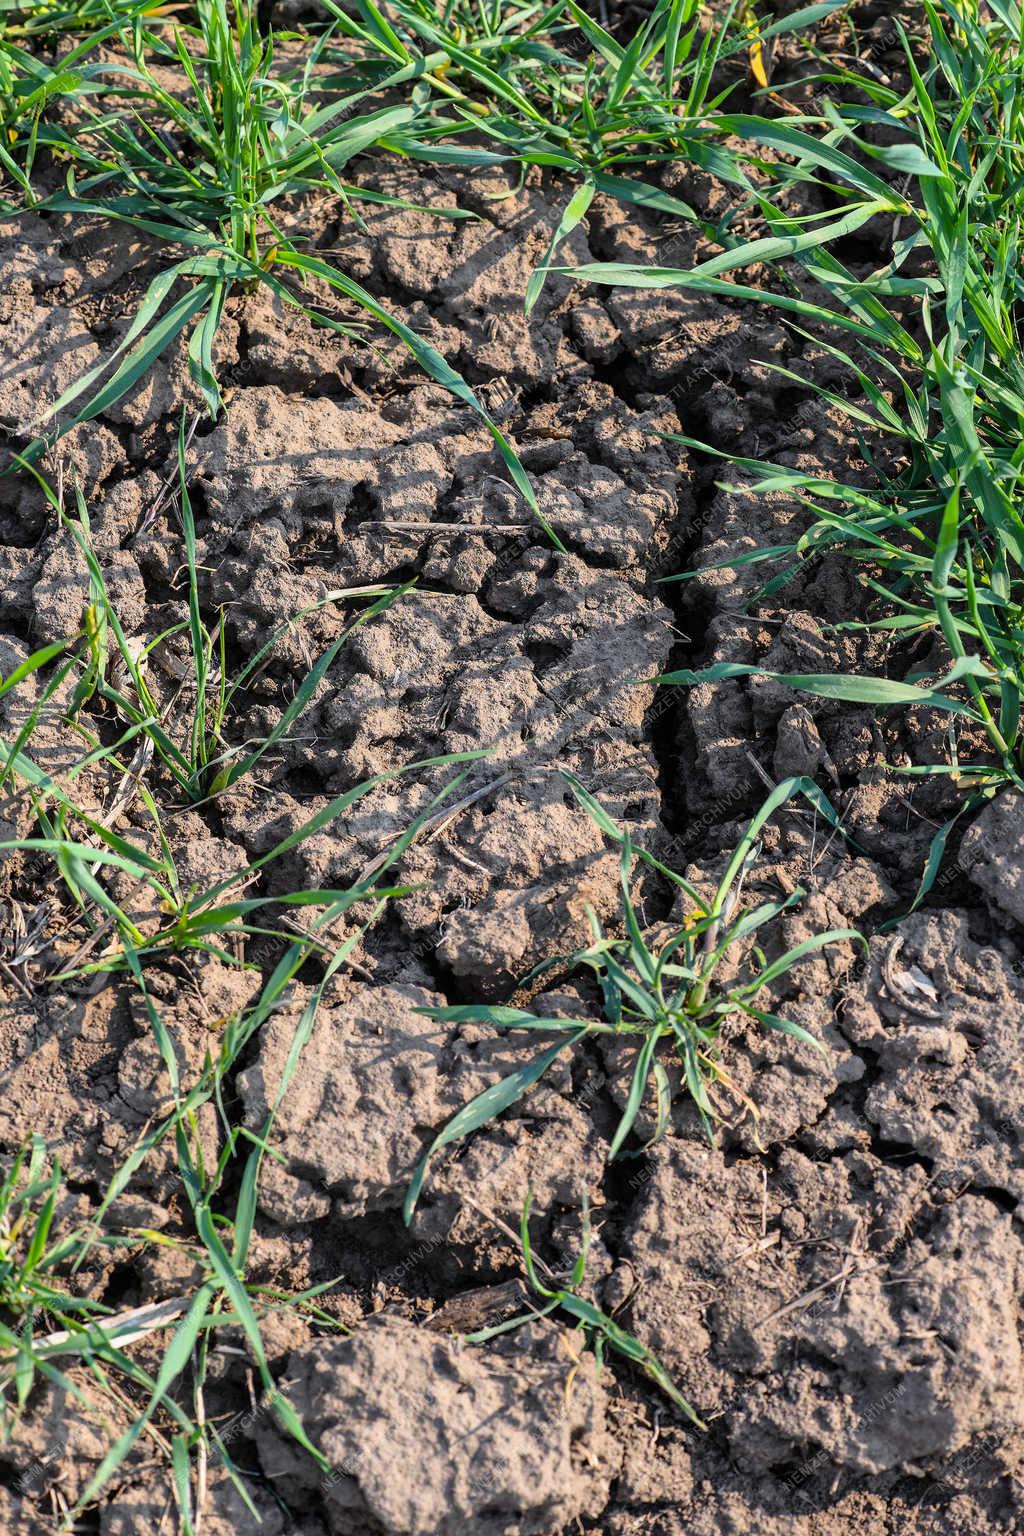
(492, 1101)
(828, 685)
(641, 1073)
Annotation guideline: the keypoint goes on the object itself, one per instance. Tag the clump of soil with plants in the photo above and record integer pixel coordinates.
(511, 820)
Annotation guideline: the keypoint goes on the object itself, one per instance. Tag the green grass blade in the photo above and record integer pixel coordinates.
(492, 1101)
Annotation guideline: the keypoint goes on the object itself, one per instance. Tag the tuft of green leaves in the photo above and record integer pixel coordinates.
(204, 169)
(935, 167)
(663, 998)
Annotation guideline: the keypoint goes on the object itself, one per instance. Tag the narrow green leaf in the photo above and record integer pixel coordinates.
(492, 1101)
(641, 1072)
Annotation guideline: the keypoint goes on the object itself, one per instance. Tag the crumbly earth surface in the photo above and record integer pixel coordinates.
(835, 1287)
